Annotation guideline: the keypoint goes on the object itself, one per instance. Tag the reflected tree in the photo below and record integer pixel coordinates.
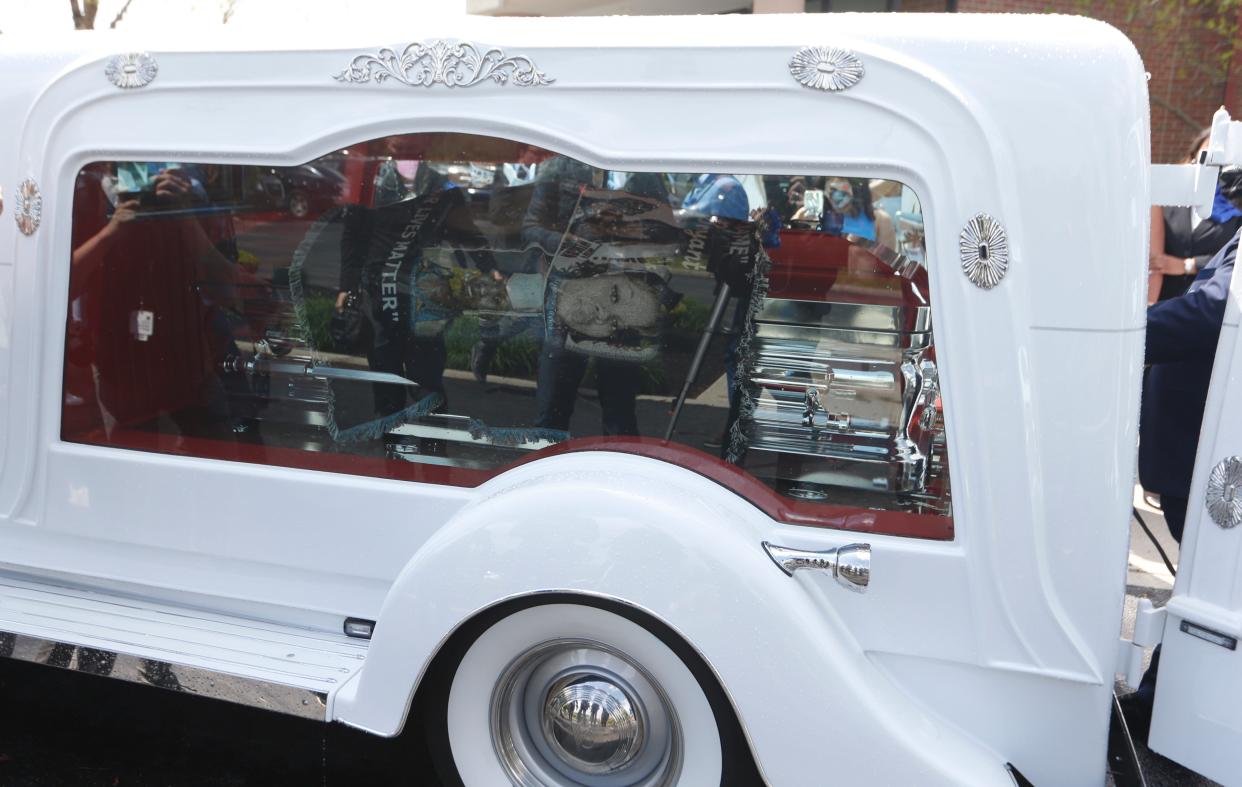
(85, 11)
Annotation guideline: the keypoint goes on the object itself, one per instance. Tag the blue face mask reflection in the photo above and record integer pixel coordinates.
(840, 199)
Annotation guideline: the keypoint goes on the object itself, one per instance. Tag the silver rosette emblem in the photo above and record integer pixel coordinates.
(826, 68)
(134, 69)
(29, 210)
(984, 249)
(1224, 493)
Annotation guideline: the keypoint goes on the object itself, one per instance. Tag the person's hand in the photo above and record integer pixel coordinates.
(125, 212)
(1168, 265)
(796, 194)
(765, 218)
(341, 297)
(172, 186)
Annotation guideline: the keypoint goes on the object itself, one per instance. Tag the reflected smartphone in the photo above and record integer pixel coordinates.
(813, 203)
(146, 199)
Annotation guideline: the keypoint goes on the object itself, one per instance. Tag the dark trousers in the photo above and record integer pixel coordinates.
(1174, 509)
(420, 360)
(560, 374)
(1175, 517)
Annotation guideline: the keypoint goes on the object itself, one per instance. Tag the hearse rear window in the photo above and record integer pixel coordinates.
(441, 307)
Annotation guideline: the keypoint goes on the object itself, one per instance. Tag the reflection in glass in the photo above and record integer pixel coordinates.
(439, 307)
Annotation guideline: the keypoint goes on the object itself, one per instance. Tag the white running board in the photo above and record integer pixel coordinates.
(280, 668)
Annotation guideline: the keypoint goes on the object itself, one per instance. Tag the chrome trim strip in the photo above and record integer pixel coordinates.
(847, 317)
(291, 700)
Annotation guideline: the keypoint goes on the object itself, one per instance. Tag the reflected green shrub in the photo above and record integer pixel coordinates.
(319, 310)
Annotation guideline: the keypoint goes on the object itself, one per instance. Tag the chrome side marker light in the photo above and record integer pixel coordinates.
(850, 565)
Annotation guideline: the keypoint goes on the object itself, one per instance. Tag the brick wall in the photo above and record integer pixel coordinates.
(1191, 48)
(923, 6)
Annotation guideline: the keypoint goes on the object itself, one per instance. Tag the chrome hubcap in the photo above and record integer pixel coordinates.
(575, 712)
(592, 724)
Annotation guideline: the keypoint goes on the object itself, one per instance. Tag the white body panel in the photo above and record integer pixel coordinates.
(944, 669)
(680, 547)
(1198, 713)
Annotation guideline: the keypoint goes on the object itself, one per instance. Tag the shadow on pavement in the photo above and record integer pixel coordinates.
(67, 728)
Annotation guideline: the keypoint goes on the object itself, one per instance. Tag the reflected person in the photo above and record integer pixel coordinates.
(397, 260)
(848, 210)
(157, 268)
(594, 309)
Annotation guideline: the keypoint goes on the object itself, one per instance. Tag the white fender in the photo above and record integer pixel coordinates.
(688, 552)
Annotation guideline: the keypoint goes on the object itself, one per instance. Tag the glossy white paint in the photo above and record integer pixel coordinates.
(6, 344)
(1198, 712)
(304, 664)
(687, 551)
(941, 672)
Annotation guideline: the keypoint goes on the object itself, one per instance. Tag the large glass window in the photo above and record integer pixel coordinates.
(440, 307)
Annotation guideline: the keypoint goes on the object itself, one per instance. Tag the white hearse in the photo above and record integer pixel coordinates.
(588, 392)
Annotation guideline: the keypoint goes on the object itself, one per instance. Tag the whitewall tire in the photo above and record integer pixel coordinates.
(563, 694)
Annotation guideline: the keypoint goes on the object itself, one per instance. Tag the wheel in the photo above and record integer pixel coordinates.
(299, 204)
(566, 695)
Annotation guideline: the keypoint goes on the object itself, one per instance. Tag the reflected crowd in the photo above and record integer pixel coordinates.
(439, 307)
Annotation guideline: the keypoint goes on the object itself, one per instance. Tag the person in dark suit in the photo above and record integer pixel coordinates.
(1181, 346)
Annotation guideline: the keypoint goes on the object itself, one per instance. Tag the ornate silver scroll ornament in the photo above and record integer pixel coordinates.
(826, 68)
(984, 248)
(1224, 493)
(29, 210)
(448, 63)
(132, 69)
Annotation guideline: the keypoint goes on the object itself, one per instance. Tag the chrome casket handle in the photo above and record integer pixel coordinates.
(850, 565)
